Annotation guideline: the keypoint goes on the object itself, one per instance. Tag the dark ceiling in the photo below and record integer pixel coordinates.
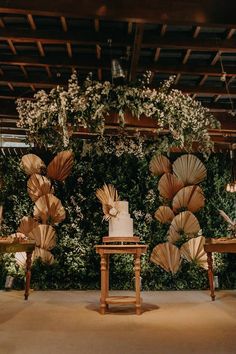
(41, 42)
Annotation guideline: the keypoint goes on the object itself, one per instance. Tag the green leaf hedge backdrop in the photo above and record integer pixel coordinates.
(125, 164)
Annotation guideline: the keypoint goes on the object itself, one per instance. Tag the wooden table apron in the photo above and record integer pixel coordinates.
(105, 251)
(220, 247)
(28, 248)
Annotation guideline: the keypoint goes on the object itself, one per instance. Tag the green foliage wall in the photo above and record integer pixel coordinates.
(77, 265)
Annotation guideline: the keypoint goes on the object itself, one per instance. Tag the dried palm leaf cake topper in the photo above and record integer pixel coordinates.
(117, 212)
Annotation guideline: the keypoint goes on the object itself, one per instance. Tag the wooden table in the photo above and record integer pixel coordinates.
(23, 246)
(221, 245)
(105, 251)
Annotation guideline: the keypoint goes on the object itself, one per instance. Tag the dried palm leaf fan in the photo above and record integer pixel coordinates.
(20, 258)
(232, 223)
(189, 169)
(169, 185)
(164, 214)
(159, 164)
(60, 167)
(44, 236)
(31, 163)
(108, 195)
(166, 256)
(193, 251)
(184, 222)
(38, 185)
(49, 209)
(27, 224)
(46, 256)
(190, 197)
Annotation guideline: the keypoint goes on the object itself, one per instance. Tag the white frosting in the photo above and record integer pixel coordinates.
(122, 224)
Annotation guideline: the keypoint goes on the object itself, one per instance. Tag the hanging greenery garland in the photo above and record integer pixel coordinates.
(52, 117)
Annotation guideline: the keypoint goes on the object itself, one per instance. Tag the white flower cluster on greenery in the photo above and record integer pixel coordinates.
(50, 117)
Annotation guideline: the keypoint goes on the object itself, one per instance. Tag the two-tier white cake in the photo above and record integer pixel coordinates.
(122, 224)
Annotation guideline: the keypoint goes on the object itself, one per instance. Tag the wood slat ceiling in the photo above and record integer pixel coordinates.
(41, 43)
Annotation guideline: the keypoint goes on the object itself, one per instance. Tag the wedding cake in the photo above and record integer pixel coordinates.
(122, 223)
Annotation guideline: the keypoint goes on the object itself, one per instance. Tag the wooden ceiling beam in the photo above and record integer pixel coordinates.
(61, 37)
(150, 40)
(91, 63)
(138, 38)
(219, 13)
(186, 56)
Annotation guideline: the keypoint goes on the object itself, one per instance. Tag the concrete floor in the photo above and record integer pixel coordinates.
(68, 322)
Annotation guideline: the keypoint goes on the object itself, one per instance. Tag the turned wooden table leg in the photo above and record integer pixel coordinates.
(210, 275)
(137, 283)
(28, 273)
(103, 284)
(107, 278)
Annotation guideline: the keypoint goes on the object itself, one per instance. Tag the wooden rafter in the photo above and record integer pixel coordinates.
(221, 14)
(136, 50)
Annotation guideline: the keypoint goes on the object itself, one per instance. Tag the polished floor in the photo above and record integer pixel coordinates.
(68, 322)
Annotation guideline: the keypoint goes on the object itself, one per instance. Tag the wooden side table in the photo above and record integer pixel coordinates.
(105, 251)
(220, 245)
(23, 246)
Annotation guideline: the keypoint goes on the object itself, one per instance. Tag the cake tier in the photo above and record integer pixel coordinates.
(121, 226)
(122, 207)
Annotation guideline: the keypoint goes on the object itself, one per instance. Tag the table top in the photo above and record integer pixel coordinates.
(13, 247)
(221, 245)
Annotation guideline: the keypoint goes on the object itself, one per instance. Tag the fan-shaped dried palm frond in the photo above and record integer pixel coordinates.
(38, 185)
(184, 223)
(169, 185)
(159, 164)
(27, 224)
(232, 223)
(31, 163)
(108, 196)
(164, 214)
(193, 251)
(44, 236)
(190, 197)
(189, 169)
(49, 210)
(20, 258)
(46, 256)
(60, 167)
(166, 256)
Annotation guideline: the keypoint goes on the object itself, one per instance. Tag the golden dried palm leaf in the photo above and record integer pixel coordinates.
(184, 223)
(44, 236)
(107, 194)
(164, 214)
(20, 258)
(60, 167)
(159, 164)
(49, 210)
(189, 169)
(46, 256)
(27, 224)
(166, 256)
(38, 185)
(169, 185)
(193, 251)
(31, 163)
(190, 197)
